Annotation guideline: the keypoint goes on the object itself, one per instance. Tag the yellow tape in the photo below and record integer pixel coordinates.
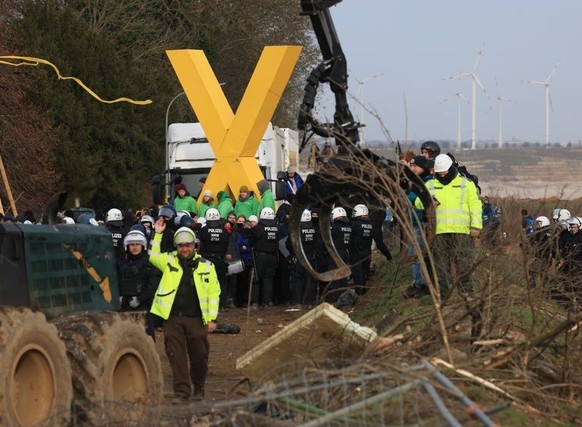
(31, 61)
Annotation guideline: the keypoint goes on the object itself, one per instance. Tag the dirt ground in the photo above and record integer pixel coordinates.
(225, 349)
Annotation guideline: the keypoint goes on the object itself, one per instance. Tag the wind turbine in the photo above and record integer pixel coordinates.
(360, 100)
(460, 98)
(547, 85)
(500, 100)
(476, 82)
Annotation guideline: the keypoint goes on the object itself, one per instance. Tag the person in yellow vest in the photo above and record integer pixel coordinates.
(458, 222)
(187, 299)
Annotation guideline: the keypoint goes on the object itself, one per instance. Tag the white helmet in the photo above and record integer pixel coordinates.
(542, 221)
(212, 214)
(575, 220)
(442, 163)
(338, 212)
(267, 213)
(114, 215)
(135, 236)
(147, 218)
(360, 210)
(561, 215)
(179, 216)
(201, 221)
(184, 235)
(68, 220)
(306, 216)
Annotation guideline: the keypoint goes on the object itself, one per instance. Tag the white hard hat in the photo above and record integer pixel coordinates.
(360, 210)
(267, 213)
(442, 163)
(542, 221)
(146, 218)
(306, 216)
(562, 215)
(135, 236)
(179, 216)
(338, 212)
(575, 220)
(212, 214)
(114, 215)
(184, 235)
(68, 220)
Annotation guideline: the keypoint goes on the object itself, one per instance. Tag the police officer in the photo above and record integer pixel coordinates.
(138, 279)
(341, 235)
(265, 242)
(214, 240)
(114, 223)
(187, 299)
(303, 288)
(360, 247)
(168, 214)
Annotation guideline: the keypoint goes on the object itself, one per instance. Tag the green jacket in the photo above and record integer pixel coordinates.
(225, 206)
(186, 203)
(246, 207)
(267, 201)
(205, 280)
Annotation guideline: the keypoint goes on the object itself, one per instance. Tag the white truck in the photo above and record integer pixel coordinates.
(190, 157)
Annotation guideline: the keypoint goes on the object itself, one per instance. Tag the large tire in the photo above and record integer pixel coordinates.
(117, 373)
(35, 375)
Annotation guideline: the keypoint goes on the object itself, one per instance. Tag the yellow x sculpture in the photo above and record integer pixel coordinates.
(234, 138)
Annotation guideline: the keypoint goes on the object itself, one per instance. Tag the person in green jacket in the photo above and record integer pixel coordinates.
(224, 204)
(267, 199)
(187, 299)
(246, 204)
(207, 203)
(183, 200)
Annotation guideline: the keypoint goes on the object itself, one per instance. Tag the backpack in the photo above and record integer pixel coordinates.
(464, 172)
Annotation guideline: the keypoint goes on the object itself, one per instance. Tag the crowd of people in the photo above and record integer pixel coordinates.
(556, 245)
(184, 263)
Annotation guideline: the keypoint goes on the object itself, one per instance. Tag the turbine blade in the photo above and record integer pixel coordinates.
(457, 76)
(550, 98)
(533, 82)
(478, 58)
(480, 85)
(552, 72)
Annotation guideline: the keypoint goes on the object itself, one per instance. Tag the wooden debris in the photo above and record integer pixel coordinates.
(324, 333)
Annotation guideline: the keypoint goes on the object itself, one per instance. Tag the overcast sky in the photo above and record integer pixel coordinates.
(417, 44)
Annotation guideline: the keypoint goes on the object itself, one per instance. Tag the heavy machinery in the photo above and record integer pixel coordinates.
(355, 173)
(65, 349)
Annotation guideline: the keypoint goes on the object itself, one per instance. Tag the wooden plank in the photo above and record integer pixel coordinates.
(324, 333)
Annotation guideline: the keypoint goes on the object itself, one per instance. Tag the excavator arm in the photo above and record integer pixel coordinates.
(332, 70)
(354, 173)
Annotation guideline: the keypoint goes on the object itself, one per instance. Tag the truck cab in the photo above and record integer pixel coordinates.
(190, 157)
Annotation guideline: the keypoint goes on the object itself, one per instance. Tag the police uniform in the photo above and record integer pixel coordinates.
(341, 235)
(360, 251)
(265, 242)
(214, 239)
(138, 278)
(303, 287)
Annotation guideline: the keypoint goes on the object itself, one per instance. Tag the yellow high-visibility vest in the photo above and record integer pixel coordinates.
(457, 207)
(205, 281)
